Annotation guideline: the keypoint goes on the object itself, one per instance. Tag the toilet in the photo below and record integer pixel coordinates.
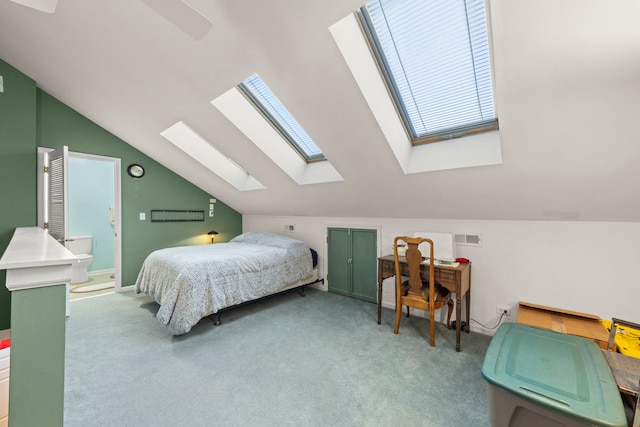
(80, 246)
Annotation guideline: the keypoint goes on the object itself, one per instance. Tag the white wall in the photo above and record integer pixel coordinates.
(580, 266)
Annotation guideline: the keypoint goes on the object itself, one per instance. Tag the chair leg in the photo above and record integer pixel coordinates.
(407, 311)
(450, 310)
(398, 316)
(432, 328)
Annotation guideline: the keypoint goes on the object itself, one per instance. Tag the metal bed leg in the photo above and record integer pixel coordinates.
(218, 320)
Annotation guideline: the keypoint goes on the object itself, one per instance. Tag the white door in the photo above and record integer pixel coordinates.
(56, 173)
(57, 204)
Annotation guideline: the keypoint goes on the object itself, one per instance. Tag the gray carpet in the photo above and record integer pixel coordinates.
(321, 360)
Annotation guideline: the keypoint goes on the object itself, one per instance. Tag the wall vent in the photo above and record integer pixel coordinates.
(469, 239)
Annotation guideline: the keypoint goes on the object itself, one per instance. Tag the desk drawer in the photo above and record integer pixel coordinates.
(389, 269)
(442, 275)
(445, 276)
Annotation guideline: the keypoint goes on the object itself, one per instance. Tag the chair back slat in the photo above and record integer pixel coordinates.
(414, 259)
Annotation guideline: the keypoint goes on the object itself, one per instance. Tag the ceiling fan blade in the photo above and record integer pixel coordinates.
(46, 6)
(182, 16)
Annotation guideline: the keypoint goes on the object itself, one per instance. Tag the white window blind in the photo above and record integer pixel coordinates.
(280, 117)
(435, 57)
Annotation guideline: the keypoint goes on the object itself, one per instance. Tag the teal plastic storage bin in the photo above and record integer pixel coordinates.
(541, 378)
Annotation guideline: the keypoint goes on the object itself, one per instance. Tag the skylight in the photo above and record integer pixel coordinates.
(242, 112)
(279, 116)
(478, 149)
(434, 56)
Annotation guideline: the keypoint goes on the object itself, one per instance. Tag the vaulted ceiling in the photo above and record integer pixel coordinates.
(567, 91)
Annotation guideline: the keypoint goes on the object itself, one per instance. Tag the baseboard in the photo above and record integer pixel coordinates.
(423, 314)
(100, 272)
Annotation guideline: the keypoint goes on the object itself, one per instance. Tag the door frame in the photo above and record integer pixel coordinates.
(116, 162)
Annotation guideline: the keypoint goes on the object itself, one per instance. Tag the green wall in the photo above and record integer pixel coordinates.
(31, 118)
(17, 165)
(37, 357)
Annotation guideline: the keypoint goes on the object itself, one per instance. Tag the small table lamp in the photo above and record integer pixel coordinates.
(212, 233)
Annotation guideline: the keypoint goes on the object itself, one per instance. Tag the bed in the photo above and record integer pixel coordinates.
(193, 282)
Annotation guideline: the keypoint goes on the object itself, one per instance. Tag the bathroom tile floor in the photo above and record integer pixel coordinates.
(98, 284)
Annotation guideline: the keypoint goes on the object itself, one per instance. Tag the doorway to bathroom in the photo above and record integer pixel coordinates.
(90, 194)
(92, 222)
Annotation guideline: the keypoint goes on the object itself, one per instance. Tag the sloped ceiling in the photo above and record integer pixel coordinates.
(567, 85)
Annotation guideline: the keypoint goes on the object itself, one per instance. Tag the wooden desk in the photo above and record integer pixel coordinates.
(456, 279)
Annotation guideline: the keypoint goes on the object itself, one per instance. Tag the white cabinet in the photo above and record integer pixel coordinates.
(4, 387)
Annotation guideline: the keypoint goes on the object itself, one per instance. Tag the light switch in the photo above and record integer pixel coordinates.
(1, 84)
(143, 216)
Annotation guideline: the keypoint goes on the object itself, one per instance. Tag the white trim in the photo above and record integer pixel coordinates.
(92, 296)
(117, 195)
(41, 187)
(117, 202)
(475, 150)
(46, 6)
(242, 113)
(202, 151)
(34, 259)
(101, 272)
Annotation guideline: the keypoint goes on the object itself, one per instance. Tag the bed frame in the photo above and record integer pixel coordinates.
(216, 318)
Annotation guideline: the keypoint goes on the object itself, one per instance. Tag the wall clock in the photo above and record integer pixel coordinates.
(135, 170)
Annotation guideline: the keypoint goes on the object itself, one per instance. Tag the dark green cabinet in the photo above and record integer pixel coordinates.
(353, 262)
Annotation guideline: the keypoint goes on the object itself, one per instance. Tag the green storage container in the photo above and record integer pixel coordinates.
(540, 378)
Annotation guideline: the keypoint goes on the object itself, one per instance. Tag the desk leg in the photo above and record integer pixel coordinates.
(379, 302)
(466, 329)
(458, 320)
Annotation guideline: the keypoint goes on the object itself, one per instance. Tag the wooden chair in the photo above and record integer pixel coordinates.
(626, 371)
(416, 292)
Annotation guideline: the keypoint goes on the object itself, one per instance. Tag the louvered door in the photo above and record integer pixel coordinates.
(57, 193)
